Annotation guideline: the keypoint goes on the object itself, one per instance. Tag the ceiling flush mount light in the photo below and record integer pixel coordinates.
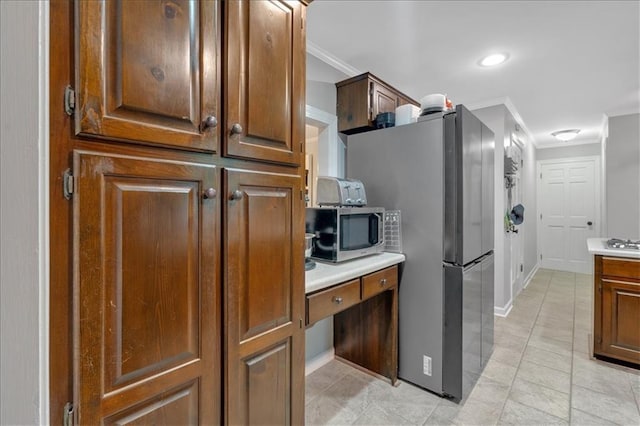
(493, 59)
(566, 135)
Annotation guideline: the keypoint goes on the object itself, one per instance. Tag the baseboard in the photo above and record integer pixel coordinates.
(318, 361)
(503, 312)
(530, 276)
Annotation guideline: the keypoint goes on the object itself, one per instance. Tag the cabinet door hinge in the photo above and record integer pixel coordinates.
(301, 146)
(67, 419)
(302, 195)
(69, 100)
(68, 184)
(300, 322)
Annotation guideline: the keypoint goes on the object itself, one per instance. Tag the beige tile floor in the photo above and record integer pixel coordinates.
(540, 373)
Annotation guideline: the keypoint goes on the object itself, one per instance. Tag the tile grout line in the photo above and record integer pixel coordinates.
(573, 342)
(525, 348)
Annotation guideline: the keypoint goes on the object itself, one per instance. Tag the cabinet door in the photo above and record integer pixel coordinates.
(148, 72)
(264, 298)
(621, 320)
(146, 291)
(384, 100)
(264, 81)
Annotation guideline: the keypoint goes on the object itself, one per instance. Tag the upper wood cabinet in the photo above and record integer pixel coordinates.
(148, 72)
(147, 327)
(264, 298)
(264, 81)
(360, 99)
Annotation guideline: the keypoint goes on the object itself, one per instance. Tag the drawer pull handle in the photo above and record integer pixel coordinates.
(383, 282)
(337, 300)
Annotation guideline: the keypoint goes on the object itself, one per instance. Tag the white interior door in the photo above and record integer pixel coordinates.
(567, 194)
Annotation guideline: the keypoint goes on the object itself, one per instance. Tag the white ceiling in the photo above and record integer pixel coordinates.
(571, 62)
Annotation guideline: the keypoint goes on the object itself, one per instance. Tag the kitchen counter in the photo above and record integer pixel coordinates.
(327, 274)
(599, 246)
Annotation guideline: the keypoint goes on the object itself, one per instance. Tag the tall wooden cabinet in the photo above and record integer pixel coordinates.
(177, 277)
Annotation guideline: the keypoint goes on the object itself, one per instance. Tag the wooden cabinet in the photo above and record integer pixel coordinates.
(617, 308)
(264, 342)
(149, 72)
(177, 237)
(365, 320)
(360, 99)
(333, 300)
(147, 296)
(264, 79)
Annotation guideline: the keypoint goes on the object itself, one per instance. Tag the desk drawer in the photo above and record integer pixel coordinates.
(621, 267)
(380, 281)
(326, 303)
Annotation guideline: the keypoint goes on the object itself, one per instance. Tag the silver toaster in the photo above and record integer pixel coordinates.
(333, 191)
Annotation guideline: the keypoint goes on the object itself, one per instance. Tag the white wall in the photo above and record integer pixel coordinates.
(500, 120)
(23, 177)
(321, 94)
(586, 150)
(622, 154)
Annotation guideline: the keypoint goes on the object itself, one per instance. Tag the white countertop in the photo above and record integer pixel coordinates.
(599, 246)
(327, 274)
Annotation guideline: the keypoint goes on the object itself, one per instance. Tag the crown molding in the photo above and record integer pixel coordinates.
(331, 60)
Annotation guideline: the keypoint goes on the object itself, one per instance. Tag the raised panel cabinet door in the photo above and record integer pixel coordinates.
(148, 72)
(621, 320)
(146, 291)
(384, 100)
(264, 298)
(264, 81)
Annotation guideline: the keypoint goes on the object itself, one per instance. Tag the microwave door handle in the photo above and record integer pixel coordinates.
(380, 230)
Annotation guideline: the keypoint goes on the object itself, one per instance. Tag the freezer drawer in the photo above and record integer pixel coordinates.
(468, 325)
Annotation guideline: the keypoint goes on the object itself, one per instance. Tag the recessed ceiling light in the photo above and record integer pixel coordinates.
(494, 59)
(566, 135)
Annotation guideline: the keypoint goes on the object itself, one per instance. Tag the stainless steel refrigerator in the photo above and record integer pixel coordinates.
(439, 173)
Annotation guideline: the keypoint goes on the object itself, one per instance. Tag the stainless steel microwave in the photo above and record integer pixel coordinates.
(343, 233)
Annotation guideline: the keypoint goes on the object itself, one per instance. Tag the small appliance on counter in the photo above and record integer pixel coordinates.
(343, 228)
(333, 191)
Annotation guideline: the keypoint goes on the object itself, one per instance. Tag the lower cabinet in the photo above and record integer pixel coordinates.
(264, 298)
(152, 268)
(617, 308)
(365, 320)
(146, 292)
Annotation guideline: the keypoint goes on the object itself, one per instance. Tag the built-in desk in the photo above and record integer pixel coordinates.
(362, 295)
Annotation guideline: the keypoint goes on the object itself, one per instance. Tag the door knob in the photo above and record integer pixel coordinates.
(337, 300)
(589, 223)
(209, 122)
(210, 193)
(236, 195)
(236, 129)
(383, 282)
